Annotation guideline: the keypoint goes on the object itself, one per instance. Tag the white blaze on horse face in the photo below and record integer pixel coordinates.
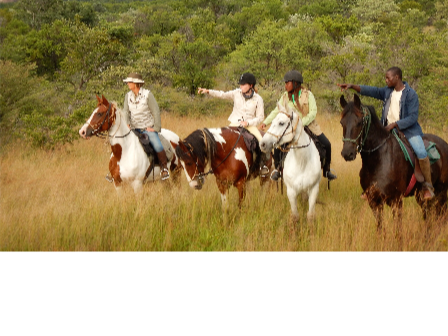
(217, 134)
(240, 154)
(191, 183)
(91, 116)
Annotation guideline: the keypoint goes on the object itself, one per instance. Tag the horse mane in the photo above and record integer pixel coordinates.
(204, 148)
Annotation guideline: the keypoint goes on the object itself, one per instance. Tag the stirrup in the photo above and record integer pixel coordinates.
(164, 174)
(264, 171)
(428, 191)
(109, 178)
(275, 175)
(331, 175)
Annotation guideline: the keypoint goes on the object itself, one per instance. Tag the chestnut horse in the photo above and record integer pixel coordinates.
(385, 174)
(224, 150)
(128, 162)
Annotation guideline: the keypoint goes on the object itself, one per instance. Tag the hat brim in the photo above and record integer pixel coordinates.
(133, 80)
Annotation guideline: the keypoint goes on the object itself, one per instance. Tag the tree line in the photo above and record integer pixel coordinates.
(55, 55)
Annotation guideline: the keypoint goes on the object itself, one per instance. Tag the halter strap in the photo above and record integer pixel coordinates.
(366, 121)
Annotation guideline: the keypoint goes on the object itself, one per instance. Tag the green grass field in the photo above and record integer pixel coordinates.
(60, 201)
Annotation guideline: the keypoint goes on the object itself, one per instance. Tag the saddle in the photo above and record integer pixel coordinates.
(149, 150)
(320, 147)
(431, 149)
(252, 146)
(249, 139)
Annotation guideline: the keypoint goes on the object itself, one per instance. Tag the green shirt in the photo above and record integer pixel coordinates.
(305, 120)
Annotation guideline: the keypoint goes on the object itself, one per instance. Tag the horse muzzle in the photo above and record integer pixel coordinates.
(349, 154)
(86, 131)
(265, 146)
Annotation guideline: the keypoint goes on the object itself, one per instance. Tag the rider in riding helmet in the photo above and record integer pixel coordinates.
(302, 101)
(248, 109)
(142, 110)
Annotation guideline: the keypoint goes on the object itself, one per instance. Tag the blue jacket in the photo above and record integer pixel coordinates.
(408, 123)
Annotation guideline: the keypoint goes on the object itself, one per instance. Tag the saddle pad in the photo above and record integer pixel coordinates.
(320, 147)
(432, 151)
(149, 150)
(249, 139)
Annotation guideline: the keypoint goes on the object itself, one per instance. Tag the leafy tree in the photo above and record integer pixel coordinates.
(320, 8)
(157, 19)
(38, 12)
(338, 27)
(374, 10)
(89, 52)
(47, 47)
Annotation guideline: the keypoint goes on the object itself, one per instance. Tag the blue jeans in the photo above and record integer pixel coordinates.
(419, 148)
(154, 140)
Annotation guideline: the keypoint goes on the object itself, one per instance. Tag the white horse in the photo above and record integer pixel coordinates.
(128, 161)
(302, 168)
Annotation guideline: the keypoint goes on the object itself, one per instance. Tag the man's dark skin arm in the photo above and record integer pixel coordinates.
(357, 88)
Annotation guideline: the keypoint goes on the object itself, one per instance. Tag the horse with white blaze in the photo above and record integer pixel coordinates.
(128, 161)
(302, 166)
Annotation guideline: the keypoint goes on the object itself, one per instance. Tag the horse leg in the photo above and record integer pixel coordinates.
(377, 208)
(397, 211)
(312, 198)
(241, 186)
(223, 189)
(292, 197)
(137, 185)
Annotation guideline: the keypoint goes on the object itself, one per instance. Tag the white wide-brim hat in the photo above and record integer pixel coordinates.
(134, 78)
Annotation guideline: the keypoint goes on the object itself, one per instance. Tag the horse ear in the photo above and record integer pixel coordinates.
(98, 98)
(357, 101)
(342, 101)
(105, 102)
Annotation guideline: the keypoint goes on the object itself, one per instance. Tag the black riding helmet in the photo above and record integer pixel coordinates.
(247, 78)
(294, 76)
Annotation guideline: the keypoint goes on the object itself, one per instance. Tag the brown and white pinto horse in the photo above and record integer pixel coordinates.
(128, 161)
(224, 150)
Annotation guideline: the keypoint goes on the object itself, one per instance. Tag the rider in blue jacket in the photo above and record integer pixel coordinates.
(400, 110)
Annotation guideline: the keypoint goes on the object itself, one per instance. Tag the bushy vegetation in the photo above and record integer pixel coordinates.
(56, 55)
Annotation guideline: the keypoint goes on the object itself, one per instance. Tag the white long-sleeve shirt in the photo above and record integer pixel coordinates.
(249, 110)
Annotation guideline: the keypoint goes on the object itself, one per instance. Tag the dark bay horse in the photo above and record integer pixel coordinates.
(225, 152)
(385, 173)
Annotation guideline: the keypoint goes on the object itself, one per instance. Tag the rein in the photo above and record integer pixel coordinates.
(366, 122)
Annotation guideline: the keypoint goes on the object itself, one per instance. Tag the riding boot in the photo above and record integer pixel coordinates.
(264, 170)
(428, 189)
(164, 173)
(275, 175)
(328, 174)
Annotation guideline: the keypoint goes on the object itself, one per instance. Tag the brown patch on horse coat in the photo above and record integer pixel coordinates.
(114, 168)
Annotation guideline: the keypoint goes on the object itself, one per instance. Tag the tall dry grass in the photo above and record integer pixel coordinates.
(60, 201)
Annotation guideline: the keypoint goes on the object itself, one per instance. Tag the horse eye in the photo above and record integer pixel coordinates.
(100, 113)
(281, 123)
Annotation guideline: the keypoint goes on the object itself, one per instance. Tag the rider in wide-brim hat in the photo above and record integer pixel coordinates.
(142, 111)
(248, 108)
(302, 101)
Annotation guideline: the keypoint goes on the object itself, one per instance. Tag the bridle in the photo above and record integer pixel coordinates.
(110, 116)
(293, 131)
(362, 136)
